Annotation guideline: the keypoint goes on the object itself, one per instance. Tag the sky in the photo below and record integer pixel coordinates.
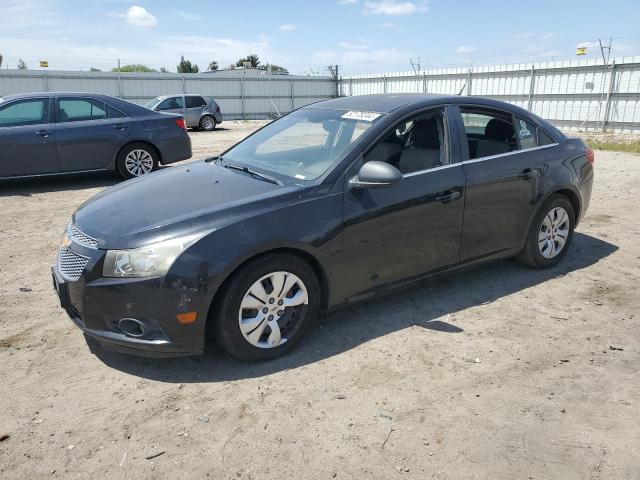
(361, 36)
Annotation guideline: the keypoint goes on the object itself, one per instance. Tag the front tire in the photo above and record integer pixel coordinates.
(208, 123)
(550, 233)
(267, 307)
(136, 159)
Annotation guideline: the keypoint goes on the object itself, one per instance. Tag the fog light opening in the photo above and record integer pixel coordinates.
(132, 327)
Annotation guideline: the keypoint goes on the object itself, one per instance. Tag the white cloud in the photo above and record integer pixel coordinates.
(138, 16)
(393, 7)
(191, 17)
(366, 60)
(386, 25)
(546, 36)
(287, 27)
(362, 45)
(347, 2)
(466, 49)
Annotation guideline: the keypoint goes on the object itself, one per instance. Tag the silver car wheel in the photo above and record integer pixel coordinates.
(208, 123)
(271, 303)
(138, 162)
(554, 232)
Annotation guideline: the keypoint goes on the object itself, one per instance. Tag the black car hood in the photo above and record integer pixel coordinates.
(176, 201)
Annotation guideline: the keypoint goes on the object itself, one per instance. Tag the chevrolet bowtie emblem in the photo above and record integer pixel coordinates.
(66, 241)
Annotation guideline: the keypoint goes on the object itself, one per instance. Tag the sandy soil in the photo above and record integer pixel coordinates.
(387, 389)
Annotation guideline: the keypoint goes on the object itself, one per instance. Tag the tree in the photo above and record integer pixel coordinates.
(22, 65)
(213, 66)
(133, 68)
(252, 59)
(0, 60)
(185, 66)
(94, 69)
(275, 68)
(163, 70)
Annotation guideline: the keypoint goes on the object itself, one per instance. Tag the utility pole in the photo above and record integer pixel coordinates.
(335, 73)
(415, 65)
(606, 70)
(118, 64)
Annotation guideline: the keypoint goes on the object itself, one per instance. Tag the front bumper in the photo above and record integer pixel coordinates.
(96, 304)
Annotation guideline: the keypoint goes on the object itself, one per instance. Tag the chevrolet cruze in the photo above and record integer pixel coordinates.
(336, 202)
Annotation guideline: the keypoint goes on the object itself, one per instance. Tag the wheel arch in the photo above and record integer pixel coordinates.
(310, 259)
(155, 149)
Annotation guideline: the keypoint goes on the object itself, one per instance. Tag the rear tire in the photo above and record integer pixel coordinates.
(136, 159)
(287, 299)
(207, 123)
(550, 233)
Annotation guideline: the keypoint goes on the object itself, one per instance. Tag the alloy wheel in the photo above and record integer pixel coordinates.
(554, 232)
(138, 162)
(272, 309)
(208, 123)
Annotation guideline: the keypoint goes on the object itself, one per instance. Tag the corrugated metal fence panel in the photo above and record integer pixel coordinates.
(575, 94)
(250, 97)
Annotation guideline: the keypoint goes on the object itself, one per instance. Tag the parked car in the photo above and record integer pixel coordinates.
(336, 202)
(56, 133)
(199, 111)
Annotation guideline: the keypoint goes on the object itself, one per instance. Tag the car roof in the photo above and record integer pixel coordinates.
(381, 103)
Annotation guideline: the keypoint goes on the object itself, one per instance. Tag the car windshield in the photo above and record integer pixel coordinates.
(303, 144)
(152, 103)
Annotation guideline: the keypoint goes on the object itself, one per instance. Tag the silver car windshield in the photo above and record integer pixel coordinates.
(152, 103)
(303, 144)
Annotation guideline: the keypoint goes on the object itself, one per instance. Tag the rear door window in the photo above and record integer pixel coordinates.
(194, 102)
(489, 132)
(25, 112)
(81, 109)
(526, 133)
(113, 112)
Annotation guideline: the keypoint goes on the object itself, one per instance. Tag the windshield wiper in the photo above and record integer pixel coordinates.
(251, 172)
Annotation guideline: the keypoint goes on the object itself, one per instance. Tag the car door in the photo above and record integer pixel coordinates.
(503, 167)
(396, 233)
(172, 105)
(194, 106)
(27, 138)
(89, 133)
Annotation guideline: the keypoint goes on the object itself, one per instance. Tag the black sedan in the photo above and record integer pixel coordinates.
(57, 133)
(336, 202)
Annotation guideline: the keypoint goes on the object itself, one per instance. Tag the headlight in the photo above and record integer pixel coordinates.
(151, 260)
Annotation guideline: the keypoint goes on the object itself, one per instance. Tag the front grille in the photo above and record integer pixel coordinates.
(70, 264)
(80, 237)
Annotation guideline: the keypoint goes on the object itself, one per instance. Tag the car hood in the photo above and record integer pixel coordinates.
(176, 201)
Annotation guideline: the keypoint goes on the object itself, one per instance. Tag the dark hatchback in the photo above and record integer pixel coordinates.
(58, 133)
(336, 202)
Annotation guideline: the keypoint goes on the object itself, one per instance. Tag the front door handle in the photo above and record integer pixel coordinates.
(119, 126)
(43, 133)
(449, 196)
(526, 174)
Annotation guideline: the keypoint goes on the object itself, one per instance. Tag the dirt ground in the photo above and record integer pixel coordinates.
(501, 372)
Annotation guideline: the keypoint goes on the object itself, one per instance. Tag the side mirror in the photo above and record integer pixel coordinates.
(376, 175)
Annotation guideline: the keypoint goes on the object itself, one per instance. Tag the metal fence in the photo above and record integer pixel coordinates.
(575, 95)
(239, 96)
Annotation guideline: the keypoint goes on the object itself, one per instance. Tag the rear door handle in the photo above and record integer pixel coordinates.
(43, 133)
(449, 197)
(526, 174)
(119, 126)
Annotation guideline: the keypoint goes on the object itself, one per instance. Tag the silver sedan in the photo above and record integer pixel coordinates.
(198, 111)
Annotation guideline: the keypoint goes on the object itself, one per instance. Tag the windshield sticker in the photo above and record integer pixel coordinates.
(524, 131)
(363, 116)
(1, 100)
(301, 177)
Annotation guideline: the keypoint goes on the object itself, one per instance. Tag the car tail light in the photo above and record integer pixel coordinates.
(591, 157)
(181, 123)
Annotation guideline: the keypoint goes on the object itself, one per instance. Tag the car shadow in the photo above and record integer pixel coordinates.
(25, 187)
(428, 305)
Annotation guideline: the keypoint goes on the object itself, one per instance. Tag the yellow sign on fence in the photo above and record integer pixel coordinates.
(44, 63)
(581, 50)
